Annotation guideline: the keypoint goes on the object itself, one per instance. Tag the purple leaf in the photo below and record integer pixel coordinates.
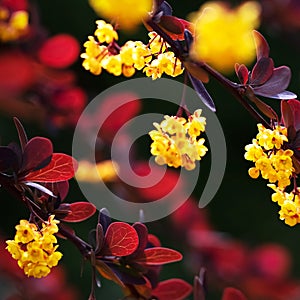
(21, 132)
(262, 71)
(276, 84)
(37, 154)
(285, 95)
(262, 47)
(142, 232)
(202, 93)
(41, 188)
(295, 107)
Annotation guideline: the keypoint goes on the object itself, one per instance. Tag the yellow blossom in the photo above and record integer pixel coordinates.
(223, 35)
(105, 32)
(127, 13)
(104, 170)
(173, 145)
(13, 26)
(272, 162)
(34, 249)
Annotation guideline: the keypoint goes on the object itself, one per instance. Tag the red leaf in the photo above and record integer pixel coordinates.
(242, 73)
(171, 24)
(233, 294)
(295, 107)
(159, 256)
(172, 289)
(60, 168)
(175, 26)
(121, 239)
(80, 211)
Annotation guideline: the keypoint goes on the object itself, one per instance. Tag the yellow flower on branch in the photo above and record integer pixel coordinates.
(126, 13)
(34, 249)
(272, 162)
(223, 35)
(176, 144)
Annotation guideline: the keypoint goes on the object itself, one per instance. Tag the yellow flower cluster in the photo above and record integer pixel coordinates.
(289, 205)
(13, 25)
(272, 162)
(276, 165)
(34, 249)
(223, 35)
(176, 140)
(126, 13)
(102, 52)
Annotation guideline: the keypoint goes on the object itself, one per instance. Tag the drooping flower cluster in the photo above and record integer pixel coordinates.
(275, 164)
(103, 52)
(176, 140)
(13, 23)
(289, 205)
(34, 249)
(223, 36)
(271, 161)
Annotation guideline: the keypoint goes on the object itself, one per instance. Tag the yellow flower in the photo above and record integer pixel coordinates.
(26, 232)
(223, 35)
(105, 32)
(272, 162)
(290, 213)
(127, 13)
(270, 139)
(112, 64)
(105, 171)
(14, 26)
(34, 249)
(173, 145)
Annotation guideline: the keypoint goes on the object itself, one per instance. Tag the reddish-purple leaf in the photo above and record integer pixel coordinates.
(37, 154)
(202, 93)
(262, 106)
(61, 168)
(196, 71)
(233, 294)
(242, 73)
(107, 273)
(142, 232)
(121, 239)
(171, 24)
(80, 211)
(295, 107)
(262, 47)
(172, 289)
(287, 114)
(99, 238)
(278, 82)
(158, 256)
(21, 132)
(262, 71)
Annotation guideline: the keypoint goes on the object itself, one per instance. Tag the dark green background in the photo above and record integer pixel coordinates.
(242, 207)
